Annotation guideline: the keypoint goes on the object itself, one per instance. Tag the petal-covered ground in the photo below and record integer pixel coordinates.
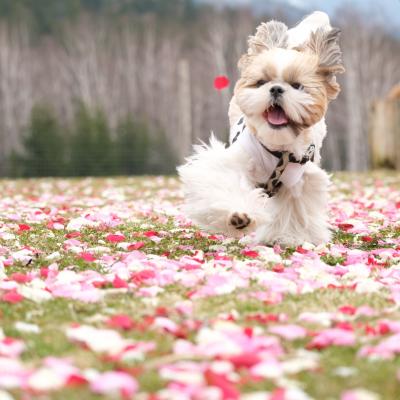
(108, 291)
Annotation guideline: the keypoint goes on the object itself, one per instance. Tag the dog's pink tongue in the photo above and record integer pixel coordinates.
(276, 116)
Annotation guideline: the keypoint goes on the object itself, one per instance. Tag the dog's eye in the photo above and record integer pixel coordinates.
(297, 85)
(260, 83)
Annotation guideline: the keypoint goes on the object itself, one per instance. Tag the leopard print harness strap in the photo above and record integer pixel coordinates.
(273, 184)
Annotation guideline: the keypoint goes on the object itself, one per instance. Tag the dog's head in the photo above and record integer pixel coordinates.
(284, 91)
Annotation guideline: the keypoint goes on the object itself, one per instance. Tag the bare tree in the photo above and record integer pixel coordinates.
(87, 63)
(16, 91)
(164, 74)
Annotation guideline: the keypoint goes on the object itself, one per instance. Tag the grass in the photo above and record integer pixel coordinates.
(53, 317)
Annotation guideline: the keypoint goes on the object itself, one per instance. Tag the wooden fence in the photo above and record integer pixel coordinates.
(384, 135)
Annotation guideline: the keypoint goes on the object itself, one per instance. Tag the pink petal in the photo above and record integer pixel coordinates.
(114, 383)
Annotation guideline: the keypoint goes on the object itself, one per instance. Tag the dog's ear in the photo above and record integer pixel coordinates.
(325, 44)
(268, 35)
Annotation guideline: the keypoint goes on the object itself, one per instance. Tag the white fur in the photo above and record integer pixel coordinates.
(299, 217)
(219, 182)
(216, 185)
(301, 32)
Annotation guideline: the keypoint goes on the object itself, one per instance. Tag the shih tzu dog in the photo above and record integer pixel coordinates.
(268, 181)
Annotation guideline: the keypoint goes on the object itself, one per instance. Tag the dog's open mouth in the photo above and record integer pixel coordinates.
(276, 116)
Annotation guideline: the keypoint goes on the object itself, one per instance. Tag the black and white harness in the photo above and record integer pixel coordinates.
(279, 167)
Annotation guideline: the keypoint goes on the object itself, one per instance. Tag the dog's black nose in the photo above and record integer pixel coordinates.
(276, 90)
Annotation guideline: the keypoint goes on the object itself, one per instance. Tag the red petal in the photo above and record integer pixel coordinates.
(370, 330)
(161, 311)
(367, 239)
(349, 310)
(76, 380)
(87, 256)
(278, 268)
(248, 331)
(383, 328)
(121, 321)
(221, 82)
(113, 238)
(136, 246)
(150, 233)
(345, 227)
(245, 360)
(143, 275)
(44, 272)
(250, 253)
(346, 326)
(300, 250)
(12, 297)
(119, 283)
(72, 235)
(20, 278)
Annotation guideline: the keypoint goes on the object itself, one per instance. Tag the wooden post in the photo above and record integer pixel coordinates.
(185, 111)
(396, 131)
(384, 135)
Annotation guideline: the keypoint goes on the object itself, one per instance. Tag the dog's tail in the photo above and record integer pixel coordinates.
(202, 149)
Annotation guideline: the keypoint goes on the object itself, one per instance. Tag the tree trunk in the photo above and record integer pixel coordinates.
(184, 140)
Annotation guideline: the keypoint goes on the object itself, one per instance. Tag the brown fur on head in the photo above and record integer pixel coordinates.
(282, 91)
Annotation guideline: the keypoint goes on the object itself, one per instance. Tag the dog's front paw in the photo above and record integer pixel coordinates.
(239, 220)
